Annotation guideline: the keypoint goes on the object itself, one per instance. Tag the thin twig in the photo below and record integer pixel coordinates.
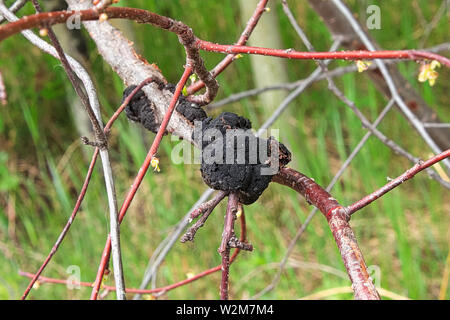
(16, 6)
(164, 247)
(205, 210)
(3, 94)
(66, 227)
(101, 143)
(338, 221)
(90, 89)
(98, 131)
(82, 191)
(155, 290)
(337, 72)
(193, 44)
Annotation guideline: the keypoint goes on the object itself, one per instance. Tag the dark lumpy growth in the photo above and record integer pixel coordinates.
(243, 175)
(189, 110)
(140, 109)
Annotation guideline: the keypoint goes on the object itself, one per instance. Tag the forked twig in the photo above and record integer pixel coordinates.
(140, 176)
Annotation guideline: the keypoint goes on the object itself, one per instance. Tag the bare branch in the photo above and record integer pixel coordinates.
(251, 24)
(224, 249)
(338, 221)
(396, 182)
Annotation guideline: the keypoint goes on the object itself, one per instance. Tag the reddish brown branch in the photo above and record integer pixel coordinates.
(338, 221)
(66, 227)
(148, 291)
(186, 37)
(205, 210)
(224, 249)
(140, 176)
(344, 55)
(3, 95)
(396, 182)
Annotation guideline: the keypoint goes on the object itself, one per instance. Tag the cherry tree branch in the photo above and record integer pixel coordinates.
(3, 94)
(343, 55)
(224, 249)
(204, 210)
(409, 174)
(186, 36)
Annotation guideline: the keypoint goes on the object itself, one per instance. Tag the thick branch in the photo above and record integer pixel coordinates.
(340, 28)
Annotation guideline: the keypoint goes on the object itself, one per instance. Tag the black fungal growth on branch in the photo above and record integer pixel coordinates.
(234, 159)
(141, 109)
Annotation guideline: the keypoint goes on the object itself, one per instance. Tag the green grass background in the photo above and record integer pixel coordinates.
(42, 168)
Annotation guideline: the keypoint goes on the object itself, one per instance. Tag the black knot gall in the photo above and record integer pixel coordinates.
(191, 111)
